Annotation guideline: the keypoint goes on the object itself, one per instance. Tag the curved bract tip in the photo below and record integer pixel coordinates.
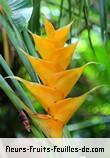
(90, 63)
(96, 88)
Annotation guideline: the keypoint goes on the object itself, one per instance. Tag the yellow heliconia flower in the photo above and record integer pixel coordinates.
(57, 82)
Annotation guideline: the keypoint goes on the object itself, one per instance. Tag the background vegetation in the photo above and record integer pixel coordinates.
(91, 27)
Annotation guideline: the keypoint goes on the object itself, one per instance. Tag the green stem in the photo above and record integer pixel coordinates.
(35, 26)
(61, 10)
(29, 43)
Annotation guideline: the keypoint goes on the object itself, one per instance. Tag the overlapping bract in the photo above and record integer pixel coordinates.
(57, 82)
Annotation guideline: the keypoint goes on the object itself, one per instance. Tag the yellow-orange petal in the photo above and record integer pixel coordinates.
(51, 127)
(64, 109)
(49, 51)
(43, 67)
(47, 46)
(49, 28)
(44, 46)
(60, 36)
(65, 80)
(45, 95)
(63, 56)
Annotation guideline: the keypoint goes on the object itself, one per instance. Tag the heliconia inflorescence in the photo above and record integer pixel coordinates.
(57, 82)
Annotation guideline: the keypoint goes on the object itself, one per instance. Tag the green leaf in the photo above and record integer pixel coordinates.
(10, 93)
(29, 43)
(66, 132)
(37, 132)
(12, 36)
(22, 11)
(16, 83)
(97, 120)
(6, 7)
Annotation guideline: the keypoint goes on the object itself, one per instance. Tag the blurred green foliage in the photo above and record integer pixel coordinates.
(91, 25)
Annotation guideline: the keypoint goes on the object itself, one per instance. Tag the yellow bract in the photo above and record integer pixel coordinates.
(49, 29)
(58, 37)
(43, 67)
(51, 127)
(64, 109)
(64, 54)
(45, 95)
(44, 46)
